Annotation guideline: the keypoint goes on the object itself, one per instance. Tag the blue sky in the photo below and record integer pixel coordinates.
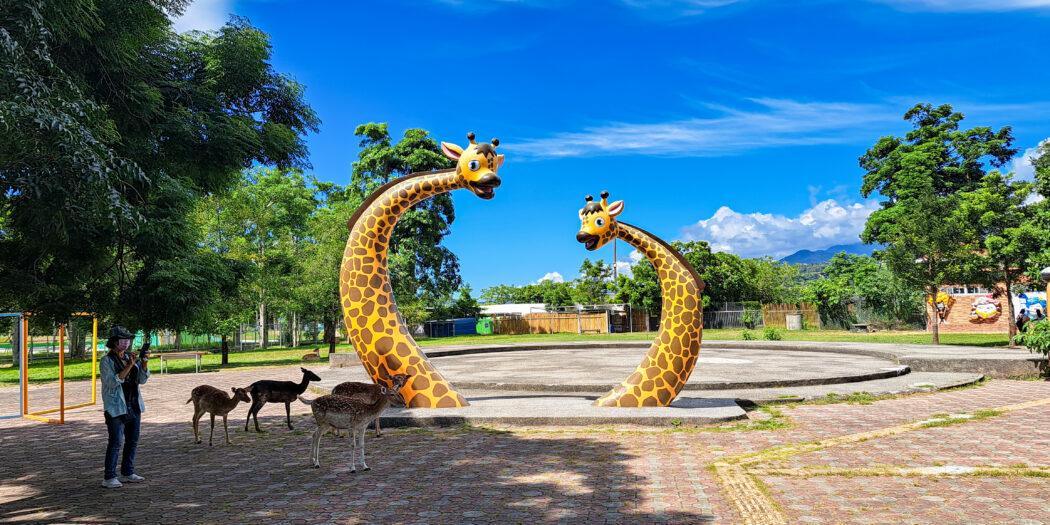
(735, 122)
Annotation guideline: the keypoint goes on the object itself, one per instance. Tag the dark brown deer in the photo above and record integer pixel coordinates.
(214, 401)
(369, 392)
(268, 391)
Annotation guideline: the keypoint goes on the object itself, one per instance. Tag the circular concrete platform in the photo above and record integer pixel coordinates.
(597, 369)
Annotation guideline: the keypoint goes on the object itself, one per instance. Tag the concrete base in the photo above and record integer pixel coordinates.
(564, 410)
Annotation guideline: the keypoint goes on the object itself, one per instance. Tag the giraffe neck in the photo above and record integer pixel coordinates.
(670, 265)
(666, 367)
(379, 336)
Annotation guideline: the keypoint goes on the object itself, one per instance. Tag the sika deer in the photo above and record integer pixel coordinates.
(214, 401)
(267, 391)
(332, 412)
(369, 392)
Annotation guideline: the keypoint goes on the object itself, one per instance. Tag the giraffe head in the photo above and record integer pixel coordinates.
(477, 165)
(597, 225)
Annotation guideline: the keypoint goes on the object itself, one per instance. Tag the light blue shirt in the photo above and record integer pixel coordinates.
(112, 393)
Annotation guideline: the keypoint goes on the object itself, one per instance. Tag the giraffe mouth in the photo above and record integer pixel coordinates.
(486, 186)
(589, 241)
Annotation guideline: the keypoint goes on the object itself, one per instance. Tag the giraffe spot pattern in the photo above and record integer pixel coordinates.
(667, 365)
(371, 318)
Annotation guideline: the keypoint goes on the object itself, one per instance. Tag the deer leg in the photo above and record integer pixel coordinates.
(212, 434)
(315, 446)
(226, 429)
(196, 419)
(379, 433)
(361, 442)
(253, 411)
(353, 449)
(288, 414)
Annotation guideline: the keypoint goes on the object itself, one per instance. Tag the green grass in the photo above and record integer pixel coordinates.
(908, 337)
(46, 370)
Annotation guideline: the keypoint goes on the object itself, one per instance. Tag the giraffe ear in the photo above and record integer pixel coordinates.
(451, 151)
(499, 161)
(581, 214)
(615, 208)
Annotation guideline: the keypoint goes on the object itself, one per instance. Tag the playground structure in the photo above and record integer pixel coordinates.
(667, 366)
(379, 335)
(23, 372)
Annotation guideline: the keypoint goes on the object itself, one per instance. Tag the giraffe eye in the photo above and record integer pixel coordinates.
(474, 165)
(599, 222)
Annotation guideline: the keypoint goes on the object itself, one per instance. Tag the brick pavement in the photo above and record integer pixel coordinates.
(51, 473)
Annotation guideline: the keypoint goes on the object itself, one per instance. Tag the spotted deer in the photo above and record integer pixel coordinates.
(331, 412)
(214, 401)
(369, 392)
(673, 354)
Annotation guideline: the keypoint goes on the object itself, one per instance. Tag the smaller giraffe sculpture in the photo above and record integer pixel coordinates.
(671, 358)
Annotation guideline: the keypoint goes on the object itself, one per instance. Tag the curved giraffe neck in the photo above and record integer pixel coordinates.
(667, 366)
(375, 328)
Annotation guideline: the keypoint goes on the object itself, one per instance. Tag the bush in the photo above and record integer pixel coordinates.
(748, 335)
(1036, 337)
(771, 334)
(750, 317)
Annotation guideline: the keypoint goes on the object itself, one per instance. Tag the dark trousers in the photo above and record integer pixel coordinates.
(122, 430)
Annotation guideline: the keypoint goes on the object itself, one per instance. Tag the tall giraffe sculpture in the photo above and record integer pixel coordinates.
(672, 356)
(379, 335)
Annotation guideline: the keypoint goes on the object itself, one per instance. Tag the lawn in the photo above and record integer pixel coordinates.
(46, 370)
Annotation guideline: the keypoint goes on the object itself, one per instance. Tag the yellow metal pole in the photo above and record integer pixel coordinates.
(25, 365)
(94, 356)
(61, 373)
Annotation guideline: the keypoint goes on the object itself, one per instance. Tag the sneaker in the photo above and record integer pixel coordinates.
(132, 478)
(111, 483)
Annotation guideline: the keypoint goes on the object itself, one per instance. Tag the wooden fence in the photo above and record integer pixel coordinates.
(775, 315)
(550, 323)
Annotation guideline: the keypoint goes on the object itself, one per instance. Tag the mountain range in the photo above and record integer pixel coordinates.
(819, 256)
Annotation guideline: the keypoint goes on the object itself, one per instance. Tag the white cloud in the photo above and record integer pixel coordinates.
(770, 123)
(1022, 164)
(551, 276)
(624, 268)
(966, 5)
(756, 234)
(204, 15)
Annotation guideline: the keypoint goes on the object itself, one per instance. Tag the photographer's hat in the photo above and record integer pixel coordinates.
(116, 333)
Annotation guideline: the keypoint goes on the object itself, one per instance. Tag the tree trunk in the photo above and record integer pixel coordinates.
(295, 330)
(225, 350)
(16, 343)
(76, 340)
(263, 332)
(178, 340)
(1012, 320)
(936, 317)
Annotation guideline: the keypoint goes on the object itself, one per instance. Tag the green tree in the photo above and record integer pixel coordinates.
(921, 175)
(1009, 235)
(114, 127)
(421, 269)
(593, 283)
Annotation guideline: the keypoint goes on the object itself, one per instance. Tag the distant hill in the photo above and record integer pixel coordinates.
(819, 256)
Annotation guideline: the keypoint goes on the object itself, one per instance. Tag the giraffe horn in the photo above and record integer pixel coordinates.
(470, 137)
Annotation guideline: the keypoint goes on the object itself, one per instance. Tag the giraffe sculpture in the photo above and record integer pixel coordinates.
(372, 321)
(672, 356)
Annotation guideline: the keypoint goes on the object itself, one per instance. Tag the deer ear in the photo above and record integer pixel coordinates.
(499, 161)
(615, 208)
(451, 151)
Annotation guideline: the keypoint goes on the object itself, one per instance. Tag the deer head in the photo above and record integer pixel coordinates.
(597, 225)
(477, 165)
(241, 394)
